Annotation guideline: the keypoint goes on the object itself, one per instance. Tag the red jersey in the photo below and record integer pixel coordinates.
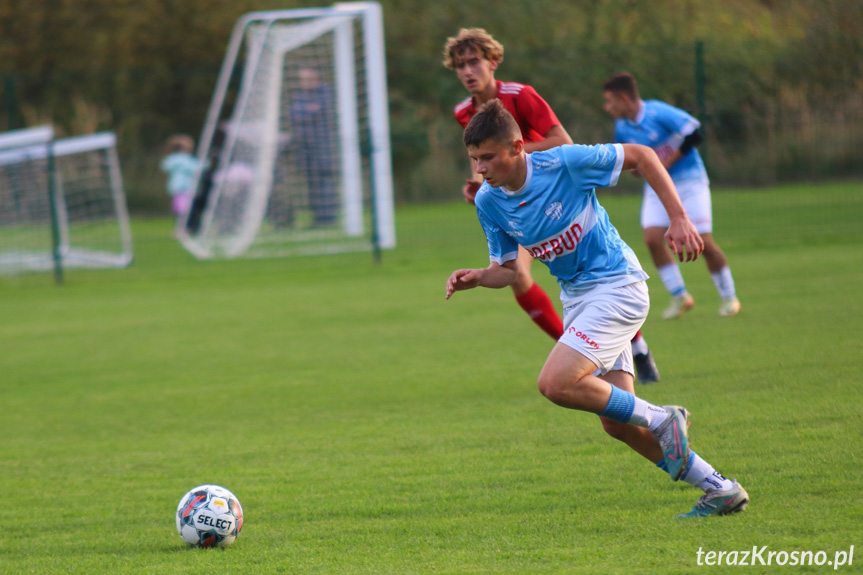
(533, 114)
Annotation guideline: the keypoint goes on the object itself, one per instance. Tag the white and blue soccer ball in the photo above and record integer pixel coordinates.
(209, 516)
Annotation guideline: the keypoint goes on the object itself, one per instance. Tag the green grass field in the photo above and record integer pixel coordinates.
(368, 426)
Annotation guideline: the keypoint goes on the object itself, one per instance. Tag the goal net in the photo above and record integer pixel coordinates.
(295, 153)
(62, 203)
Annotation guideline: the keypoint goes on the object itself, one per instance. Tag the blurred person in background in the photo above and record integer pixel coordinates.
(314, 142)
(674, 135)
(181, 167)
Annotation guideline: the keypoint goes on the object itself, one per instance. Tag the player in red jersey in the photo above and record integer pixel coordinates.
(475, 55)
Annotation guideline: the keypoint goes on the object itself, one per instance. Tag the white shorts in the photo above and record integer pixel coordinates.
(695, 197)
(601, 324)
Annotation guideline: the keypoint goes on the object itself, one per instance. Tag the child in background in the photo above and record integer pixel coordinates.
(181, 167)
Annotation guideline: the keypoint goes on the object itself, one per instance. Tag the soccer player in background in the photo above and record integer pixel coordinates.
(674, 135)
(475, 55)
(546, 202)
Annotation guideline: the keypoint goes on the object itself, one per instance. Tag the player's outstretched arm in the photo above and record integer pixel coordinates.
(682, 237)
(494, 276)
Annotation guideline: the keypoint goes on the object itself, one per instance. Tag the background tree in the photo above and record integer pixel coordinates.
(779, 75)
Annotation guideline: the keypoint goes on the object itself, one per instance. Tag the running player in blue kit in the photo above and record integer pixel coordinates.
(546, 202)
(674, 135)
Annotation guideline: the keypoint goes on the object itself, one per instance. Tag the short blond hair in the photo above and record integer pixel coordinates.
(473, 39)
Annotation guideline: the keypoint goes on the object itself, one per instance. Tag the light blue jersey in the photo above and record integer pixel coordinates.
(556, 216)
(663, 128)
(181, 169)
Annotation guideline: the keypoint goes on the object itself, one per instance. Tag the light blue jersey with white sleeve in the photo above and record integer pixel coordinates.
(660, 125)
(557, 218)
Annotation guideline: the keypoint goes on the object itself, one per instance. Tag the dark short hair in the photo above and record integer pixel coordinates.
(623, 83)
(492, 122)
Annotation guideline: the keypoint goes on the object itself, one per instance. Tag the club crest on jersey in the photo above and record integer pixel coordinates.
(554, 210)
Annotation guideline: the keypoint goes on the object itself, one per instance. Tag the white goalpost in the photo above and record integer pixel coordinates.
(295, 153)
(62, 203)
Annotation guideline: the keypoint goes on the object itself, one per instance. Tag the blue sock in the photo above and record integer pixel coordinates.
(620, 406)
(688, 465)
(662, 465)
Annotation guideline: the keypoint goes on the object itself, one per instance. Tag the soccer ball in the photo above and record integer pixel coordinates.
(209, 516)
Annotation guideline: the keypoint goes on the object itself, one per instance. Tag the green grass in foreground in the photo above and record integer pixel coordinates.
(368, 426)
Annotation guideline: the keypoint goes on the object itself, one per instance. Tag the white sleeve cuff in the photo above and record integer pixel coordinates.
(618, 165)
(507, 257)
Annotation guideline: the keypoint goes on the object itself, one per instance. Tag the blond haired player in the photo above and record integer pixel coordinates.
(475, 56)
